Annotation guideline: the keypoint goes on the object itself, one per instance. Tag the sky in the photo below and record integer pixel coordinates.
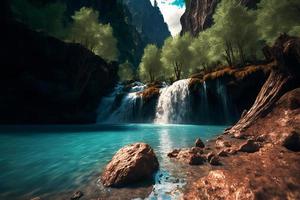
(172, 10)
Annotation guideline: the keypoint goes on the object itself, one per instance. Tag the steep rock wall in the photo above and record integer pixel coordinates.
(198, 15)
(148, 20)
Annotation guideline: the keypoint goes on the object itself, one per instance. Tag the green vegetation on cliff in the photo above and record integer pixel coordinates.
(95, 36)
(236, 38)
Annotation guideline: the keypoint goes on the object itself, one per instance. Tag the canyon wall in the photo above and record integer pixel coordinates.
(198, 15)
(148, 21)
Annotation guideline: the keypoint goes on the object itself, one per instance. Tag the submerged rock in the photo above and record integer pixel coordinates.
(77, 195)
(199, 143)
(131, 164)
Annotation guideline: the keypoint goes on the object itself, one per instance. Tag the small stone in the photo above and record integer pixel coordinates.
(197, 160)
(209, 156)
(261, 138)
(220, 143)
(199, 143)
(250, 146)
(196, 150)
(222, 153)
(77, 195)
(215, 160)
(173, 154)
(292, 141)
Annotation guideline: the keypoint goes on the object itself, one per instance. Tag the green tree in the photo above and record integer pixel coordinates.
(95, 36)
(206, 50)
(236, 32)
(44, 17)
(278, 16)
(125, 71)
(176, 55)
(150, 67)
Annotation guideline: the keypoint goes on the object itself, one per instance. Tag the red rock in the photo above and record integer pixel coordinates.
(221, 143)
(199, 143)
(130, 164)
(250, 146)
(215, 160)
(192, 156)
(219, 184)
(210, 155)
(223, 153)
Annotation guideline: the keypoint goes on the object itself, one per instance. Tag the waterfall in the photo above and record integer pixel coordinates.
(204, 103)
(223, 96)
(120, 106)
(173, 103)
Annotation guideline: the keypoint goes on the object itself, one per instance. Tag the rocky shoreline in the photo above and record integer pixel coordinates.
(257, 158)
(263, 165)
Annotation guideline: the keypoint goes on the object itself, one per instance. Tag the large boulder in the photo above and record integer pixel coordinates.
(131, 164)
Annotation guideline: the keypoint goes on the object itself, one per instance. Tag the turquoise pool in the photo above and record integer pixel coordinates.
(46, 160)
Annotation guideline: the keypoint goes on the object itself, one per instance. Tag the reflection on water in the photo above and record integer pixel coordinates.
(46, 161)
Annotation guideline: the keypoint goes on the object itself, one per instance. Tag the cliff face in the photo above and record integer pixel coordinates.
(44, 80)
(198, 15)
(148, 21)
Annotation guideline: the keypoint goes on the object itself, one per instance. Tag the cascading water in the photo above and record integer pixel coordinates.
(204, 103)
(173, 103)
(112, 111)
(222, 93)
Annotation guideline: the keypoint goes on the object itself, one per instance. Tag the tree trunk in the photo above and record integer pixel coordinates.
(177, 71)
(228, 53)
(285, 76)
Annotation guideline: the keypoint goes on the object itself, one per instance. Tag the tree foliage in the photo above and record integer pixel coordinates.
(206, 51)
(42, 17)
(278, 16)
(236, 31)
(97, 37)
(150, 68)
(125, 71)
(176, 55)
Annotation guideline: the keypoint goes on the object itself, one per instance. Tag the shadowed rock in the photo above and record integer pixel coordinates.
(292, 141)
(199, 143)
(213, 159)
(77, 195)
(131, 164)
(250, 146)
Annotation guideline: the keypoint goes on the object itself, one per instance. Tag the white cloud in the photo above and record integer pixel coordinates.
(172, 14)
